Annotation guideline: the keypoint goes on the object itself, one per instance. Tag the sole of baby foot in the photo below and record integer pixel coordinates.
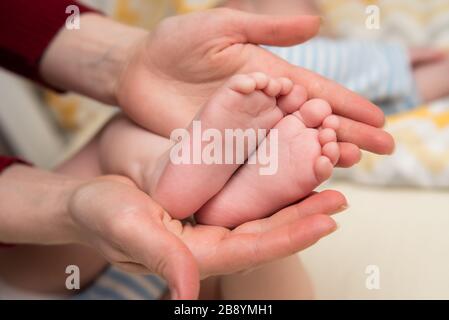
(247, 103)
(305, 158)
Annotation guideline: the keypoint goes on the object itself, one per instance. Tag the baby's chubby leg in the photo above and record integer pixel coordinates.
(129, 150)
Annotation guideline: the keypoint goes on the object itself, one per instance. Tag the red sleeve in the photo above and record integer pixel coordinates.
(7, 161)
(4, 163)
(26, 29)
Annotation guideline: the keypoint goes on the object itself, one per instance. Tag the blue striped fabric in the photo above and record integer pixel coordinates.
(115, 284)
(379, 71)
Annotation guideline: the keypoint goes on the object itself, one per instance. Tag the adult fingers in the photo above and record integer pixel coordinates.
(243, 251)
(350, 155)
(324, 203)
(343, 101)
(364, 136)
(272, 30)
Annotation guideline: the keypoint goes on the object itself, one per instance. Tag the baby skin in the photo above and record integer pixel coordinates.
(229, 193)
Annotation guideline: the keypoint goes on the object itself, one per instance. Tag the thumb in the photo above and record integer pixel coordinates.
(163, 253)
(176, 264)
(274, 30)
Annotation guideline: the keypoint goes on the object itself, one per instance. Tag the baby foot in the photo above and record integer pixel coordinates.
(247, 103)
(307, 153)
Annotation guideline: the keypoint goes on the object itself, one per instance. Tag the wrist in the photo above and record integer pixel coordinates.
(90, 60)
(69, 229)
(34, 207)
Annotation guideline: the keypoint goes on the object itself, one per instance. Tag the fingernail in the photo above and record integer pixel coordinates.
(333, 229)
(343, 208)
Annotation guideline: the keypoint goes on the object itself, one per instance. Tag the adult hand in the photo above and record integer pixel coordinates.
(137, 235)
(186, 58)
(111, 215)
(163, 78)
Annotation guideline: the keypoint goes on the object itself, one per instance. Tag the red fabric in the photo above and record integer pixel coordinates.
(7, 161)
(26, 29)
(4, 163)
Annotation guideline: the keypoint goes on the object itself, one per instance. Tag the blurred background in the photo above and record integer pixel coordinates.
(399, 213)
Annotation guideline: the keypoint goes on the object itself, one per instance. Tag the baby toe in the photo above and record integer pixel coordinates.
(274, 88)
(323, 169)
(314, 112)
(327, 135)
(331, 150)
(331, 122)
(242, 83)
(286, 86)
(261, 79)
(294, 100)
